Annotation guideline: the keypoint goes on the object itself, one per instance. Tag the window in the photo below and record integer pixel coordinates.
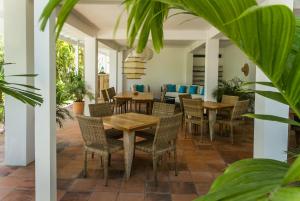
(103, 62)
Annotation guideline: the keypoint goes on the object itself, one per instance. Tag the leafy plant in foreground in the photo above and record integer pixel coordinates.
(270, 37)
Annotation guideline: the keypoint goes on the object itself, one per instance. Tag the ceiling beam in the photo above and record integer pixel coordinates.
(184, 35)
(81, 23)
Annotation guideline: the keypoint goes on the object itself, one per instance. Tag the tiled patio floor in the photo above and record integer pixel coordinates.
(199, 164)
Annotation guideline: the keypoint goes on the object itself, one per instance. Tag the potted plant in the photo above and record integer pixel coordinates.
(78, 90)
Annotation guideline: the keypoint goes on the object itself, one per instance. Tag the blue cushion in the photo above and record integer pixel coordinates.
(182, 89)
(139, 88)
(171, 88)
(193, 90)
(202, 91)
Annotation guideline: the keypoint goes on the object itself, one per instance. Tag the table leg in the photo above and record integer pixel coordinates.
(212, 115)
(128, 139)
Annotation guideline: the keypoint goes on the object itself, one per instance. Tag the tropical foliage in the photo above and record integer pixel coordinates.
(270, 36)
(65, 70)
(77, 88)
(233, 87)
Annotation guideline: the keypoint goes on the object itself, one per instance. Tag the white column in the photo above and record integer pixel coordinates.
(113, 65)
(211, 68)
(45, 125)
(76, 59)
(91, 70)
(120, 76)
(19, 117)
(270, 138)
(189, 68)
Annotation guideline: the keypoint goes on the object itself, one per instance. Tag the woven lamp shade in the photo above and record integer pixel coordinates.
(134, 67)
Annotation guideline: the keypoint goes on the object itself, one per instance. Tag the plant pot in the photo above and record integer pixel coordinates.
(78, 108)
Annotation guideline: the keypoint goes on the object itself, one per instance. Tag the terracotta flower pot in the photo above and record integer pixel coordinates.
(78, 108)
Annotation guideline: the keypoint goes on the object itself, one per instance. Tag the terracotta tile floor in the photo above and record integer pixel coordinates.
(199, 163)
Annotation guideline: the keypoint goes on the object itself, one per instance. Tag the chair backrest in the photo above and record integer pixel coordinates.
(182, 96)
(193, 107)
(167, 131)
(230, 99)
(240, 108)
(92, 130)
(111, 93)
(163, 109)
(104, 95)
(100, 110)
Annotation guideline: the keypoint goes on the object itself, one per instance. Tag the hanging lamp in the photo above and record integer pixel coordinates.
(134, 64)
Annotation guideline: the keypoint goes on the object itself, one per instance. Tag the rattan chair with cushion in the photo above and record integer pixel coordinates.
(95, 141)
(194, 114)
(163, 142)
(160, 110)
(240, 108)
(103, 110)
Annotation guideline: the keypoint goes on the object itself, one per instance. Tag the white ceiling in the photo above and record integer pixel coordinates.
(105, 17)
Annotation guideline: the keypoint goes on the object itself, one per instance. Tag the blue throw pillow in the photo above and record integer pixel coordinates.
(171, 88)
(202, 91)
(139, 88)
(182, 89)
(193, 90)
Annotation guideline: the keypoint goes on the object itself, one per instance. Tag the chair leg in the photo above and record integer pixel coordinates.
(85, 164)
(109, 160)
(93, 155)
(106, 170)
(185, 129)
(201, 131)
(155, 169)
(175, 162)
(231, 133)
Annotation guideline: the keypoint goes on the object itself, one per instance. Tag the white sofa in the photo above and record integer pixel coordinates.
(175, 94)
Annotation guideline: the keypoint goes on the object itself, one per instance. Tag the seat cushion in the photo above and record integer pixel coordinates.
(113, 146)
(145, 145)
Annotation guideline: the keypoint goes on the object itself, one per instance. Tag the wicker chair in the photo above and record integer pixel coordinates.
(240, 108)
(194, 114)
(103, 110)
(163, 142)
(95, 141)
(119, 103)
(181, 97)
(104, 95)
(160, 110)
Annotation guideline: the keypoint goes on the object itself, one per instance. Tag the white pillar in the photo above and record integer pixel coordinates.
(211, 68)
(19, 117)
(189, 68)
(76, 59)
(91, 70)
(45, 125)
(120, 76)
(270, 138)
(113, 65)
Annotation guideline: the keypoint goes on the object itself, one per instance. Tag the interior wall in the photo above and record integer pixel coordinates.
(233, 60)
(169, 66)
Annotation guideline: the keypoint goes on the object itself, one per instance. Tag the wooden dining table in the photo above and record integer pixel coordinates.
(129, 123)
(138, 98)
(212, 108)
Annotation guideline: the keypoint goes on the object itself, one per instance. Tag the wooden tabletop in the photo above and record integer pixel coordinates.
(216, 106)
(139, 97)
(130, 121)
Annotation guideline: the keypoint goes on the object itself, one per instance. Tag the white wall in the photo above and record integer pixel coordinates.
(233, 60)
(169, 66)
